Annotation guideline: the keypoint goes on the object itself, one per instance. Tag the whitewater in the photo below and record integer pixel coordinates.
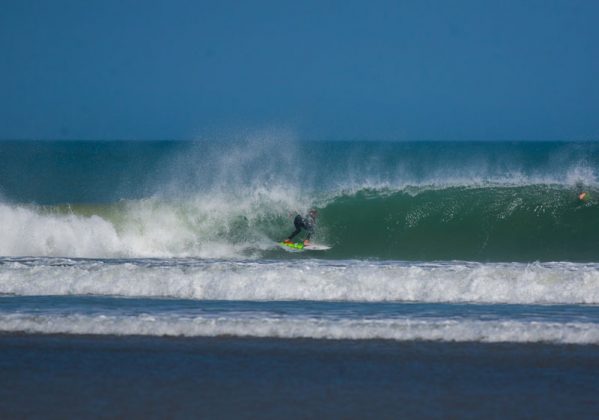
(433, 241)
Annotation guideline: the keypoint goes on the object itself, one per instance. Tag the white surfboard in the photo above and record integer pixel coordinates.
(316, 247)
(300, 247)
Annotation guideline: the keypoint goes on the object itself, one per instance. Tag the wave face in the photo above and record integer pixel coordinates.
(398, 201)
(523, 223)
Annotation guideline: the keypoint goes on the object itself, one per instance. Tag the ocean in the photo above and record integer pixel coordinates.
(143, 278)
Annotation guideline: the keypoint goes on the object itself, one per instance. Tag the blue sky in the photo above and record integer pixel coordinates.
(397, 70)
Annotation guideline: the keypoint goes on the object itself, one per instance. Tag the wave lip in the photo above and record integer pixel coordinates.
(277, 327)
(353, 281)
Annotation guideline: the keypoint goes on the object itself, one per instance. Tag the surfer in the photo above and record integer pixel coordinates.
(583, 196)
(307, 223)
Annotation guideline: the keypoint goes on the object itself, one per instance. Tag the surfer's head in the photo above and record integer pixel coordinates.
(313, 213)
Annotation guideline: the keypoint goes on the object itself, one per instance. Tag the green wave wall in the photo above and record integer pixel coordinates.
(491, 223)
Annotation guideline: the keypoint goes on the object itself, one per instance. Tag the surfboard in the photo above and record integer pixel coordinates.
(300, 247)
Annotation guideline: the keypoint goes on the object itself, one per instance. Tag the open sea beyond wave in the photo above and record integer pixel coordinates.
(432, 242)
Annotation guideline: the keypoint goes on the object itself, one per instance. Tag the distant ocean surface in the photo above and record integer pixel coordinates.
(171, 245)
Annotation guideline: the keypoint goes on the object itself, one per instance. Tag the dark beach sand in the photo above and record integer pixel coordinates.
(89, 376)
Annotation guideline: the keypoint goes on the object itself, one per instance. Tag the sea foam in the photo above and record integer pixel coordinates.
(305, 327)
(367, 281)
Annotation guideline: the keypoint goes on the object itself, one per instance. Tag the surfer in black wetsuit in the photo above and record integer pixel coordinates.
(307, 223)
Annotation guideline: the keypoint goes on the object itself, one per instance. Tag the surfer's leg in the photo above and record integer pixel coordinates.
(295, 232)
(298, 223)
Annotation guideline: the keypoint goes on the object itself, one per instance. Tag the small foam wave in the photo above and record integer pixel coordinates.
(277, 327)
(537, 283)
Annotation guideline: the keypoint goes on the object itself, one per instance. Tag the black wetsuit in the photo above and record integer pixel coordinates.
(300, 223)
